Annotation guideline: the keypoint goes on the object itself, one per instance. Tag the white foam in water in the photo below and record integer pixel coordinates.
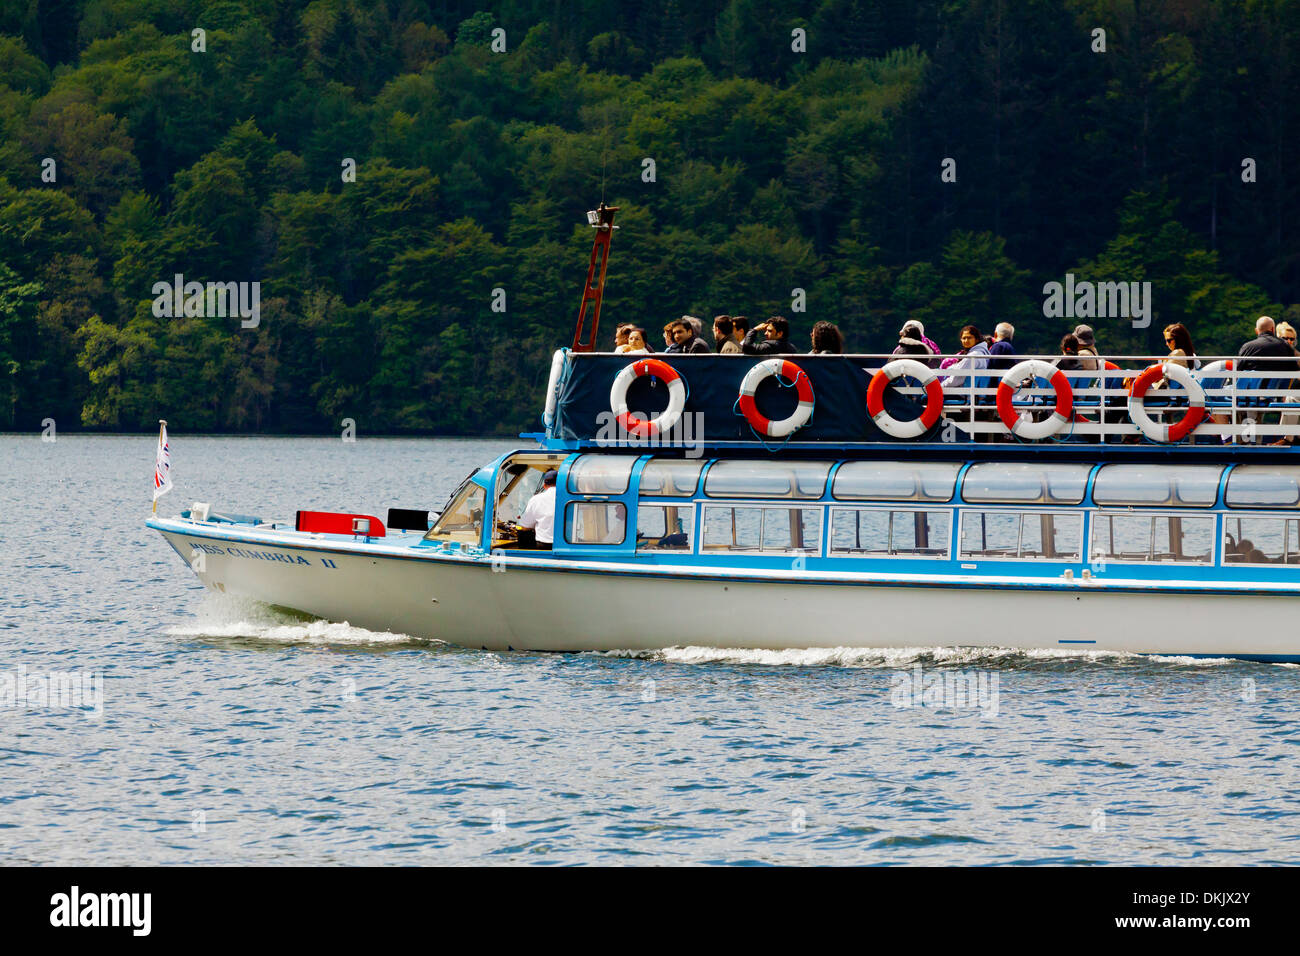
(224, 615)
(887, 656)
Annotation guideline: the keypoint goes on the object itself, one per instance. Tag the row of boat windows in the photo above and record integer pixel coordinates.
(1152, 485)
(1124, 537)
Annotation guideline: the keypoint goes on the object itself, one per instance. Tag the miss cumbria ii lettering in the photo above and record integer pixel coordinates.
(258, 555)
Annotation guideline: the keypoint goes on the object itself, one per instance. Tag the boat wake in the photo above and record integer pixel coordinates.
(896, 657)
(224, 616)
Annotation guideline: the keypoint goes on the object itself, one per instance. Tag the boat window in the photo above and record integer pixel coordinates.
(767, 479)
(462, 519)
(600, 474)
(762, 529)
(1188, 486)
(1139, 538)
(595, 522)
(1011, 535)
(1263, 486)
(896, 481)
(881, 532)
(670, 478)
(665, 527)
(1014, 483)
(1261, 540)
(516, 485)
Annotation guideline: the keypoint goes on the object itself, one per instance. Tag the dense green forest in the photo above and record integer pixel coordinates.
(795, 145)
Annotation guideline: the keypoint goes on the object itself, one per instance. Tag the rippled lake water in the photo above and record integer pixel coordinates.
(230, 734)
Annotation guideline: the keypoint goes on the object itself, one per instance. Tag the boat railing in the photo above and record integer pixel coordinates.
(1250, 406)
(1030, 398)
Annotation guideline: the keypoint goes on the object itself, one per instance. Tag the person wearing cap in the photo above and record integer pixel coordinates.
(1087, 347)
(539, 513)
(919, 333)
(912, 341)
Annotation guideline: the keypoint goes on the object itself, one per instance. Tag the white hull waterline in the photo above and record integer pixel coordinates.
(539, 603)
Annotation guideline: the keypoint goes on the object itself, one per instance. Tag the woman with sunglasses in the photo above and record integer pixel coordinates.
(1179, 342)
(1286, 333)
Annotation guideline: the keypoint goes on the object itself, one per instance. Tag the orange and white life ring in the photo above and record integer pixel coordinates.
(1213, 370)
(797, 377)
(933, 398)
(669, 417)
(1192, 417)
(1025, 427)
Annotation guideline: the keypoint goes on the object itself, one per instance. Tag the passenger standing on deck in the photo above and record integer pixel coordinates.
(685, 340)
(620, 336)
(739, 326)
(724, 335)
(769, 338)
(826, 339)
(539, 513)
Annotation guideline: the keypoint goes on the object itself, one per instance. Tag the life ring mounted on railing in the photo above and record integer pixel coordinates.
(1024, 426)
(640, 427)
(1192, 417)
(1213, 369)
(896, 369)
(782, 369)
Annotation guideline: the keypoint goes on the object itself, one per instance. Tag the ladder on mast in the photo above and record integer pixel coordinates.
(602, 220)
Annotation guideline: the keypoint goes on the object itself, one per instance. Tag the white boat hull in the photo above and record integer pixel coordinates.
(539, 603)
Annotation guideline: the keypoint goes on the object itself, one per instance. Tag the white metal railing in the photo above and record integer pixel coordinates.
(1255, 406)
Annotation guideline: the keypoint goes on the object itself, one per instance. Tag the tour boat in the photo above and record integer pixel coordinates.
(821, 501)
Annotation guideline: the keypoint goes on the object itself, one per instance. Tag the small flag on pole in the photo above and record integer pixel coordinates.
(162, 468)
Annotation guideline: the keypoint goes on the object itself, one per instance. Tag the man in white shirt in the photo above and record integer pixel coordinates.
(540, 511)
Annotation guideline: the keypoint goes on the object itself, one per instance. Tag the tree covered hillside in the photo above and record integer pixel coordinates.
(794, 145)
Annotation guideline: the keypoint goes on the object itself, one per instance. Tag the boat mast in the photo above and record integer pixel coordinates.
(602, 220)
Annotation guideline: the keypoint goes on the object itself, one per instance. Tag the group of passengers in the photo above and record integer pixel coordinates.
(1273, 343)
(732, 335)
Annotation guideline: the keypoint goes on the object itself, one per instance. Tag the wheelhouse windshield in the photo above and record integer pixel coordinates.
(462, 519)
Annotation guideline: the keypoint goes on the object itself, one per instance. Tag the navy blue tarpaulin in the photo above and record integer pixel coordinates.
(713, 387)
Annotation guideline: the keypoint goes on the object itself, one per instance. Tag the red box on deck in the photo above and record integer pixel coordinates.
(336, 522)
